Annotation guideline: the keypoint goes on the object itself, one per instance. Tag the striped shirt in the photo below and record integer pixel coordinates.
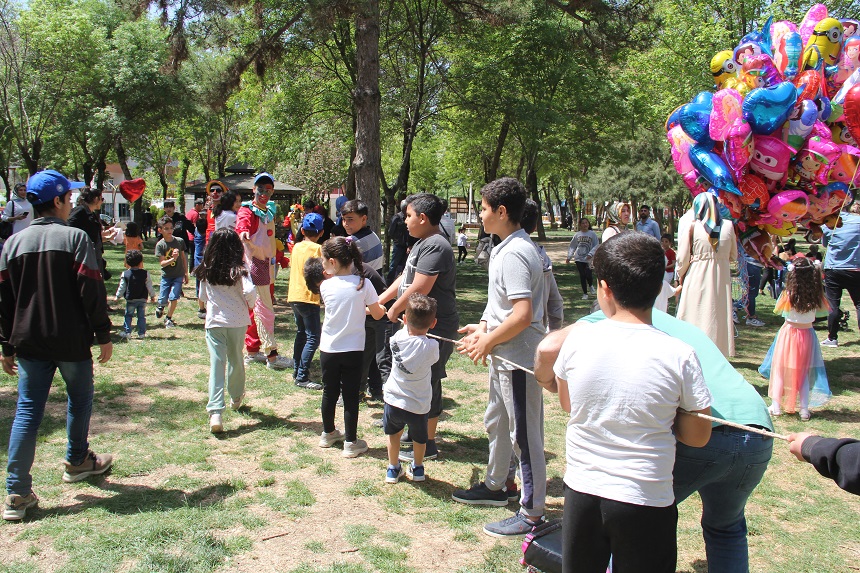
(371, 248)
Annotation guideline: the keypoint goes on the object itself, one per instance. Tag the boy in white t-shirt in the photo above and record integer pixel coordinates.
(408, 391)
(624, 382)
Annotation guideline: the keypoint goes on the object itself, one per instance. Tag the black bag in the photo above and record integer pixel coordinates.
(6, 227)
(542, 548)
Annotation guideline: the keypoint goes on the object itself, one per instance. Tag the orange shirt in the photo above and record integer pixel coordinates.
(133, 244)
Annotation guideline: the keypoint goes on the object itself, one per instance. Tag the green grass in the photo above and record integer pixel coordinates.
(182, 500)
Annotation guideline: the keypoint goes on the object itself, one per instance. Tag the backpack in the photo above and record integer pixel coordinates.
(6, 227)
(542, 548)
(136, 284)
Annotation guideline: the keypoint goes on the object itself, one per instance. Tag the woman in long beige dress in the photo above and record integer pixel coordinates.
(706, 248)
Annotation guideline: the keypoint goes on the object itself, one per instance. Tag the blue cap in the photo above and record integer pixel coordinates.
(45, 185)
(263, 176)
(313, 222)
(338, 203)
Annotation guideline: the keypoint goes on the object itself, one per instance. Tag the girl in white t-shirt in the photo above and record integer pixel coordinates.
(228, 293)
(347, 298)
(462, 243)
(794, 364)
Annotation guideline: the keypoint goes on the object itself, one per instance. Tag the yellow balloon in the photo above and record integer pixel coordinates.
(825, 41)
(723, 67)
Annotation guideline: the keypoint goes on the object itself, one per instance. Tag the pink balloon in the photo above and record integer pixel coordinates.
(845, 166)
(788, 205)
(770, 160)
(726, 109)
(738, 148)
(681, 143)
(814, 15)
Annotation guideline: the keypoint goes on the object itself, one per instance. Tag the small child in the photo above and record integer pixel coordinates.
(671, 257)
(132, 240)
(581, 250)
(462, 243)
(793, 363)
(134, 285)
(305, 303)
(408, 391)
(228, 293)
(174, 270)
(618, 494)
(347, 298)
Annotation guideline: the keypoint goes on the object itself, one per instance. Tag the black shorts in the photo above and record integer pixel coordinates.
(437, 372)
(394, 419)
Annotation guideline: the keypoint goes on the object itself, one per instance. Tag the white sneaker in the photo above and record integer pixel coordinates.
(255, 357)
(774, 410)
(124, 335)
(752, 321)
(279, 363)
(237, 403)
(592, 290)
(585, 297)
(329, 439)
(830, 343)
(141, 336)
(216, 426)
(354, 449)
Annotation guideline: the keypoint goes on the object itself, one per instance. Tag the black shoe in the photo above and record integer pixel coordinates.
(307, 384)
(431, 453)
(480, 494)
(159, 311)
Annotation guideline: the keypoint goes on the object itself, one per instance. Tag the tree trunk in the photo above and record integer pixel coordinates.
(366, 100)
(492, 172)
(183, 177)
(534, 192)
(122, 159)
(549, 208)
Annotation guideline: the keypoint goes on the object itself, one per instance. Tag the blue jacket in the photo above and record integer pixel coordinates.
(843, 244)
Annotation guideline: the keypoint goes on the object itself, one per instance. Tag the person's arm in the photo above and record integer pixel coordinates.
(184, 264)
(91, 289)
(692, 430)
(554, 304)
(7, 315)
(563, 394)
(7, 214)
(837, 459)
(479, 345)
(571, 250)
(120, 290)
(545, 357)
(420, 284)
(149, 288)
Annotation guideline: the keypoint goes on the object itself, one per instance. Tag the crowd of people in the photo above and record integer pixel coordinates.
(635, 447)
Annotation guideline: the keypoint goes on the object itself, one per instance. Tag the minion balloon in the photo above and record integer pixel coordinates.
(724, 67)
(823, 45)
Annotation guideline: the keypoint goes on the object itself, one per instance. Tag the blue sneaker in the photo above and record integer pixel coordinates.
(394, 473)
(416, 473)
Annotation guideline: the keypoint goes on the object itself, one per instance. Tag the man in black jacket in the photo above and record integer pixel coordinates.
(52, 305)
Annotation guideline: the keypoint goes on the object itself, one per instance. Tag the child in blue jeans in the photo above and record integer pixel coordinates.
(134, 285)
(174, 270)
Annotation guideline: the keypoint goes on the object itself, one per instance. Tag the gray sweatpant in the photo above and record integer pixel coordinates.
(514, 422)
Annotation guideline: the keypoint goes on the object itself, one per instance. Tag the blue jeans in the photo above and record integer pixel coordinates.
(754, 274)
(307, 337)
(171, 287)
(199, 247)
(724, 472)
(34, 384)
(132, 306)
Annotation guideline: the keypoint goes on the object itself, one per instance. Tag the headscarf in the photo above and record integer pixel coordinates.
(707, 211)
(613, 213)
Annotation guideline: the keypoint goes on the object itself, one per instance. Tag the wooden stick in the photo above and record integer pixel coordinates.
(738, 426)
(505, 360)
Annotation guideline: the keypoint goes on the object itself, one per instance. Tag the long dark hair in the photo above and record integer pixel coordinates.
(223, 262)
(225, 203)
(345, 250)
(804, 286)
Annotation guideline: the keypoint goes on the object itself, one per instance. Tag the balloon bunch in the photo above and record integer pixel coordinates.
(777, 141)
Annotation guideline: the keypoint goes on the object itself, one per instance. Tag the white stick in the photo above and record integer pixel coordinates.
(505, 360)
(738, 426)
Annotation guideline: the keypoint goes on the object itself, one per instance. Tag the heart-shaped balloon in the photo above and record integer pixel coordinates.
(766, 109)
(695, 119)
(738, 146)
(713, 169)
(725, 110)
(809, 84)
(132, 189)
(754, 191)
(852, 111)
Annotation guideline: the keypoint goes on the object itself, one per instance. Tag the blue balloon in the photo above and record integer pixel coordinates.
(704, 97)
(766, 109)
(694, 118)
(713, 169)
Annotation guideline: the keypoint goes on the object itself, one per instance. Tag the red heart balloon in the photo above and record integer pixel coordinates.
(851, 108)
(132, 189)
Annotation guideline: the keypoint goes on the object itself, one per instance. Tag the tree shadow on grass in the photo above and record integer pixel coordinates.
(134, 499)
(699, 566)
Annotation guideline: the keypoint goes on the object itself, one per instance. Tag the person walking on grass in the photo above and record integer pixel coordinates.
(511, 327)
(347, 298)
(581, 250)
(135, 285)
(305, 304)
(45, 267)
(228, 293)
(408, 391)
(174, 270)
(255, 223)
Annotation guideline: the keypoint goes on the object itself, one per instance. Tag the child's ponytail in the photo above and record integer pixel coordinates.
(357, 261)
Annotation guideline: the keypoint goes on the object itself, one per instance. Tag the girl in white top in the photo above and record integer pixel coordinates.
(228, 293)
(226, 209)
(462, 243)
(347, 298)
(794, 364)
